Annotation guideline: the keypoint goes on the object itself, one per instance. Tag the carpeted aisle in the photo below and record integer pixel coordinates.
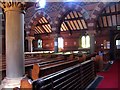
(119, 74)
(111, 77)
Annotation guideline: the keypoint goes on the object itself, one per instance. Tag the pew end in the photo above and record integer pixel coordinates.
(83, 58)
(35, 71)
(71, 57)
(25, 83)
(98, 62)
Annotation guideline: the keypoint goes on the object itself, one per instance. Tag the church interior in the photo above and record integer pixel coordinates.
(59, 45)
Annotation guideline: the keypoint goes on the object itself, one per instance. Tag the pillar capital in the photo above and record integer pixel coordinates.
(30, 44)
(30, 38)
(91, 32)
(13, 6)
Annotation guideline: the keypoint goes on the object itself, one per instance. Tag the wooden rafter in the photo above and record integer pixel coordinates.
(68, 27)
(111, 14)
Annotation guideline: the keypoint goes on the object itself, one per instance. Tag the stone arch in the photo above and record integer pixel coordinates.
(65, 9)
(96, 12)
(34, 19)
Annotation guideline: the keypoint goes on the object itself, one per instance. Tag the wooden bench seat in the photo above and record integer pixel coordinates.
(55, 66)
(71, 78)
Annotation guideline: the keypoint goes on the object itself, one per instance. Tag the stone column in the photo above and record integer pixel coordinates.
(56, 43)
(92, 41)
(14, 43)
(30, 44)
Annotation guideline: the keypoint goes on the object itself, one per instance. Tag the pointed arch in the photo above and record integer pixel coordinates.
(66, 9)
(34, 19)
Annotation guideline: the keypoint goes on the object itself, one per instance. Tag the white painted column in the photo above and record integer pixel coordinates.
(14, 44)
(30, 44)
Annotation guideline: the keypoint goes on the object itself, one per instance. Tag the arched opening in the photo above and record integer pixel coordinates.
(72, 26)
(42, 33)
(108, 27)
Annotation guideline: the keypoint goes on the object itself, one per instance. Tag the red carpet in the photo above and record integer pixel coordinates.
(111, 77)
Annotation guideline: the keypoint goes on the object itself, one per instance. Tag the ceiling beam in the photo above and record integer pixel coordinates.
(41, 28)
(68, 27)
(110, 13)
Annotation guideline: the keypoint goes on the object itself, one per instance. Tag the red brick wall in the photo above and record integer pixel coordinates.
(47, 42)
(71, 42)
(100, 38)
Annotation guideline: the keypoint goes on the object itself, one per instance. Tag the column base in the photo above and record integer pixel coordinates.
(10, 82)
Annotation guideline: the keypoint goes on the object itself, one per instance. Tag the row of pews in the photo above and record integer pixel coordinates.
(76, 77)
(54, 71)
(30, 59)
(45, 62)
(51, 65)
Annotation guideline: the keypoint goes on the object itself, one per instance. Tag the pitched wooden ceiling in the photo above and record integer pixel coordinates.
(73, 21)
(43, 26)
(110, 16)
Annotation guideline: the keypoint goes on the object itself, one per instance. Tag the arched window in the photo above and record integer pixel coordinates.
(39, 43)
(60, 43)
(85, 41)
(118, 44)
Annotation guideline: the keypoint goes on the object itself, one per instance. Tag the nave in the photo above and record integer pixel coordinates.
(64, 45)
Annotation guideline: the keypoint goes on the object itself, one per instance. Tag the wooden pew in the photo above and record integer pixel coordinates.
(29, 62)
(53, 67)
(84, 57)
(98, 63)
(45, 63)
(25, 84)
(76, 77)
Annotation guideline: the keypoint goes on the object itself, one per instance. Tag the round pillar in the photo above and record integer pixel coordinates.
(30, 44)
(14, 44)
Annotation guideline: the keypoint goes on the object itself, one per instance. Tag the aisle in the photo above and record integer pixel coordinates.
(111, 77)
